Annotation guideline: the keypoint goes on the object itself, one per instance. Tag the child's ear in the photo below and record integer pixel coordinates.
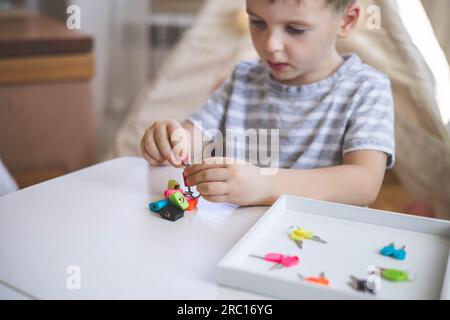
(349, 19)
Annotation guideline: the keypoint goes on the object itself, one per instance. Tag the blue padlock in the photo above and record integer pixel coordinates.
(388, 250)
(399, 254)
(158, 205)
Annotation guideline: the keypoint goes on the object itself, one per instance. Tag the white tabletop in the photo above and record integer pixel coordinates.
(98, 220)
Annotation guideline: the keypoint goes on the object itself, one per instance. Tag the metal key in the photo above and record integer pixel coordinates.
(297, 239)
(311, 236)
(295, 236)
(318, 239)
(276, 266)
(305, 234)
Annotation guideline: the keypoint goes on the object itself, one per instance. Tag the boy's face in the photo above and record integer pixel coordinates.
(294, 38)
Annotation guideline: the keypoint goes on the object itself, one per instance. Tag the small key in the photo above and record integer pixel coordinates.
(308, 235)
(276, 266)
(305, 234)
(297, 238)
(318, 239)
(299, 243)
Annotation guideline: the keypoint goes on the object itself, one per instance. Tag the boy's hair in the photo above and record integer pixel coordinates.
(338, 5)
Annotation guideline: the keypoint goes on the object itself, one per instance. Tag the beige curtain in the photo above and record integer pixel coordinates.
(423, 144)
(438, 12)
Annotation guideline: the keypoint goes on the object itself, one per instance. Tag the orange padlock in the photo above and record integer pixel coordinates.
(192, 203)
(321, 279)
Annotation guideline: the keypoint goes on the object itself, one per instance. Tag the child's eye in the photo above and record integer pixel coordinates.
(257, 23)
(295, 31)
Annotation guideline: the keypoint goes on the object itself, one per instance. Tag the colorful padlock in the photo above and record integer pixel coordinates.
(173, 185)
(169, 192)
(179, 200)
(171, 213)
(400, 254)
(395, 275)
(321, 279)
(192, 203)
(158, 205)
(388, 250)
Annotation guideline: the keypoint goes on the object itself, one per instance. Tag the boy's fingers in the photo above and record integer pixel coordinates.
(213, 198)
(146, 154)
(209, 175)
(151, 161)
(208, 163)
(196, 168)
(152, 149)
(179, 140)
(212, 188)
(164, 146)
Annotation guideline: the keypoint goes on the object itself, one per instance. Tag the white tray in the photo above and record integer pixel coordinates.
(354, 235)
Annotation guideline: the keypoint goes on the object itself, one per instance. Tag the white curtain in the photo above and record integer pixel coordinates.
(119, 28)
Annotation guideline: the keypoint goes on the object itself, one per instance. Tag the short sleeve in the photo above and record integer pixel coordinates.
(209, 117)
(371, 125)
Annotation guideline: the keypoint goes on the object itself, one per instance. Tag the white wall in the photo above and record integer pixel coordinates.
(119, 28)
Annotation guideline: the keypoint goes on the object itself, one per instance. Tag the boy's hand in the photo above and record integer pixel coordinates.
(165, 142)
(240, 184)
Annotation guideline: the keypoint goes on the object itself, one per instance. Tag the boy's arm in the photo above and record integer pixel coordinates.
(357, 181)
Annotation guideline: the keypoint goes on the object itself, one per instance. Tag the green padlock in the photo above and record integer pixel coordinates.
(179, 200)
(395, 275)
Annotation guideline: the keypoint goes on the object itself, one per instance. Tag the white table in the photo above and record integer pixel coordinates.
(98, 219)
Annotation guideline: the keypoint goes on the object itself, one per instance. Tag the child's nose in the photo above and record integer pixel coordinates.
(274, 43)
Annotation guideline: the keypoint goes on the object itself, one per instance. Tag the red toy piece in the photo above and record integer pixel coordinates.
(192, 203)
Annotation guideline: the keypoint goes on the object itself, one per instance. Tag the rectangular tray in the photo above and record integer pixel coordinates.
(354, 235)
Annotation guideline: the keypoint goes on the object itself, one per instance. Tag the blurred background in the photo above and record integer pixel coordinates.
(72, 98)
(130, 40)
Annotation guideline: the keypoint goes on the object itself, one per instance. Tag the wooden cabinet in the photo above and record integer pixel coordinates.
(46, 116)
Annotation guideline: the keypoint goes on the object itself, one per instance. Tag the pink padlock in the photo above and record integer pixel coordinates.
(169, 192)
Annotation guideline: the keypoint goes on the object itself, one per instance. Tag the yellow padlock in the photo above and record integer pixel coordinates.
(173, 184)
(306, 234)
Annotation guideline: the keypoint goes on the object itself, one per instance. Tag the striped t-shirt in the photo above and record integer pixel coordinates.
(306, 126)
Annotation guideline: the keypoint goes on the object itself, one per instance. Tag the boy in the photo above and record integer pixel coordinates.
(334, 114)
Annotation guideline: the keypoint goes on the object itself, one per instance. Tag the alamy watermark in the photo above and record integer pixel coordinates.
(73, 21)
(374, 17)
(73, 281)
(260, 147)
